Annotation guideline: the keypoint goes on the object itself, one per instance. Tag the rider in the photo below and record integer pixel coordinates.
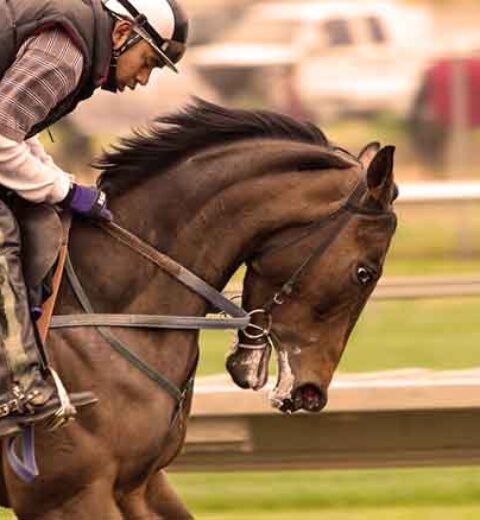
(55, 53)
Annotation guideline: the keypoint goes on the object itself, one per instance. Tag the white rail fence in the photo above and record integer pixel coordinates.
(438, 192)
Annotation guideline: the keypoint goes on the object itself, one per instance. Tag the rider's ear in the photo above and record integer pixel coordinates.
(121, 31)
(380, 176)
(368, 153)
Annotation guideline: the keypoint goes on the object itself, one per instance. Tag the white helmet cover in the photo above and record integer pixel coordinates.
(162, 23)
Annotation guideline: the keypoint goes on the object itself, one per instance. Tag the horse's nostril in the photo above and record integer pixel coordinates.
(287, 406)
(312, 397)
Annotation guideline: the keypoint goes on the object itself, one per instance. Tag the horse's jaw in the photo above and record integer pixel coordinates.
(249, 368)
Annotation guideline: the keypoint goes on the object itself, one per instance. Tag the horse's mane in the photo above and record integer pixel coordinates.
(200, 125)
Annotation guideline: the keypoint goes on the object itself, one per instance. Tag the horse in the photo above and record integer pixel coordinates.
(214, 188)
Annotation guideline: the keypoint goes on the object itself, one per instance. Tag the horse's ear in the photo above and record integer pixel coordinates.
(368, 153)
(380, 176)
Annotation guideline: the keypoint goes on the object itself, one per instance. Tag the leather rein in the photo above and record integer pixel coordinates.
(238, 318)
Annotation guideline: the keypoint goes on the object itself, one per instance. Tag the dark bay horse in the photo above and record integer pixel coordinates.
(213, 189)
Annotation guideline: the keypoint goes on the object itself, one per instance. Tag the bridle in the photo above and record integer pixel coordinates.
(237, 318)
(257, 337)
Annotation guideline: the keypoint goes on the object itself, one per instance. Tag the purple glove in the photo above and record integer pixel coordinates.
(88, 201)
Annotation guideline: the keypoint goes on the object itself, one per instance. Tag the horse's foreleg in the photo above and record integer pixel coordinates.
(164, 500)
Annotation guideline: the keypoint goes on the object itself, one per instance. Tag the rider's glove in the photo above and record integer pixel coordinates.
(88, 201)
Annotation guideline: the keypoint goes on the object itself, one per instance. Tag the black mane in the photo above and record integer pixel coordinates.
(200, 125)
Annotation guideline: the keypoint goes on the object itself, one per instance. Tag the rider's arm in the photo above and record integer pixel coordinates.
(27, 175)
(37, 149)
(47, 69)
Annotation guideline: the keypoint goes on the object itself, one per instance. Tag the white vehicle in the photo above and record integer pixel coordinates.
(346, 55)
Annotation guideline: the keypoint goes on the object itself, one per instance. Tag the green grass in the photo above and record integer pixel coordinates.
(364, 494)
(403, 494)
(442, 334)
(390, 513)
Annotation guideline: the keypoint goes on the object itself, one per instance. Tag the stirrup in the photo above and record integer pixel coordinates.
(59, 410)
(66, 411)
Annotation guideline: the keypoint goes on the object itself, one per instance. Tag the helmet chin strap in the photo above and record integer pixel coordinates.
(111, 84)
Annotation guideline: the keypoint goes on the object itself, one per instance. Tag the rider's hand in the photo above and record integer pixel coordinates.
(88, 201)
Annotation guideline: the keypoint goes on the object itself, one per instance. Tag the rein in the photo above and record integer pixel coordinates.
(239, 319)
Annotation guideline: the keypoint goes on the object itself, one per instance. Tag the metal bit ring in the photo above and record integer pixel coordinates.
(263, 331)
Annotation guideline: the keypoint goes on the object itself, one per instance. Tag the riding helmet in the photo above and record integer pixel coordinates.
(162, 23)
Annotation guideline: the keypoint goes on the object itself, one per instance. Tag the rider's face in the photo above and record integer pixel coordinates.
(136, 64)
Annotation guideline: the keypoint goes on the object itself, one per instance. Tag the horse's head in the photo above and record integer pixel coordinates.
(310, 285)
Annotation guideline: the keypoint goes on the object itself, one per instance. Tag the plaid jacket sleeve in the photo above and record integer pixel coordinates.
(46, 70)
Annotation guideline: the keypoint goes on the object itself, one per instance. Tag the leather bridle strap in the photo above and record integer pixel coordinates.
(180, 273)
(341, 216)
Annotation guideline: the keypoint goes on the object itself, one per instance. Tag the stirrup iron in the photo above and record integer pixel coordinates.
(66, 411)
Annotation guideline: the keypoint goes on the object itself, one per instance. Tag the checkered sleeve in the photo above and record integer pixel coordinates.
(46, 70)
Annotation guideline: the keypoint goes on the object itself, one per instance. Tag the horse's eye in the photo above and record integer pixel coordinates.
(364, 275)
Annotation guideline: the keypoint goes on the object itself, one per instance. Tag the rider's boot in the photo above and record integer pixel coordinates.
(30, 391)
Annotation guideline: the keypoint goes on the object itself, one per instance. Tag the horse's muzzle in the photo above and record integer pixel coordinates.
(308, 397)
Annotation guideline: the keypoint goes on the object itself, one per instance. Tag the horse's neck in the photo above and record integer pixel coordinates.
(208, 215)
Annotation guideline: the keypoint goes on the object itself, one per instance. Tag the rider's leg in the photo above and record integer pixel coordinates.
(25, 394)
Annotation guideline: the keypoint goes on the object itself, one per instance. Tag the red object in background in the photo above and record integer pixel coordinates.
(439, 90)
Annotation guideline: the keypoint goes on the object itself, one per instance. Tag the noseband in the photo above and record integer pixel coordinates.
(261, 337)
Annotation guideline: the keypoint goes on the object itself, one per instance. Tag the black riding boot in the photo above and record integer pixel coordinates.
(29, 390)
